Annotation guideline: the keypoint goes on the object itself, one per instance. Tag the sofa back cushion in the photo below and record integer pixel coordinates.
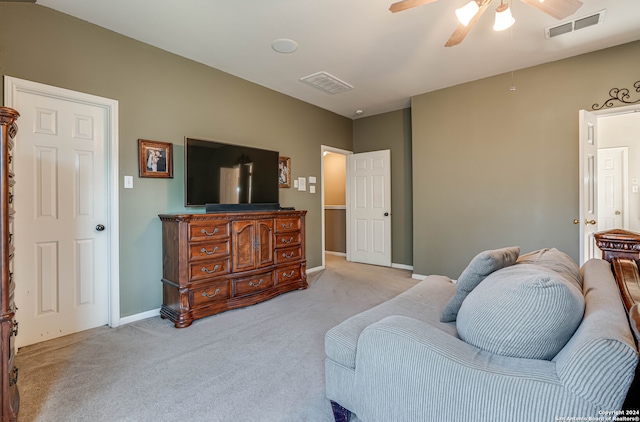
(524, 311)
(554, 260)
(480, 267)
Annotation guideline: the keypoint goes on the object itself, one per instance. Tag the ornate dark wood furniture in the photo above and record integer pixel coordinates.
(220, 261)
(10, 399)
(622, 249)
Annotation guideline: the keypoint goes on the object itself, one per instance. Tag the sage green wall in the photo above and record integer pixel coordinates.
(165, 97)
(392, 131)
(494, 168)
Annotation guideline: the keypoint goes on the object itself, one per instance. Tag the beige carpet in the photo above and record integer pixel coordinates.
(260, 363)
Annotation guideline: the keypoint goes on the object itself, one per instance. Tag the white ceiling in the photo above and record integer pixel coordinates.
(386, 57)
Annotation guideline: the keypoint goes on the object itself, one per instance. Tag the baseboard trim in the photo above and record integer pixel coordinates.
(314, 269)
(402, 266)
(137, 317)
(335, 253)
(418, 276)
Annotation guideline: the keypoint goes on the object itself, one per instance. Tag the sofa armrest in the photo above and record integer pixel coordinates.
(409, 370)
(432, 342)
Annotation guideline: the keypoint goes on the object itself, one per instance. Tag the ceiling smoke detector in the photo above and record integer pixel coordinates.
(580, 23)
(327, 83)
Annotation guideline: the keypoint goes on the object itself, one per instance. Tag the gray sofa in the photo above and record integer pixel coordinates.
(526, 338)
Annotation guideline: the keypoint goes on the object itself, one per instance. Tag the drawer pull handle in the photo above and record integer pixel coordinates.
(203, 231)
(252, 284)
(287, 226)
(204, 269)
(287, 241)
(14, 329)
(284, 255)
(289, 275)
(14, 378)
(205, 294)
(209, 253)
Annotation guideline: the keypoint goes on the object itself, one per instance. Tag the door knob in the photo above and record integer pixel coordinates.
(99, 227)
(617, 212)
(386, 214)
(576, 221)
(587, 222)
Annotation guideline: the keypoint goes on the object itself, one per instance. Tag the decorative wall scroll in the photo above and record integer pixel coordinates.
(618, 94)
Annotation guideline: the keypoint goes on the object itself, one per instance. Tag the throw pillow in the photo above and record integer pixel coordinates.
(555, 260)
(524, 311)
(481, 266)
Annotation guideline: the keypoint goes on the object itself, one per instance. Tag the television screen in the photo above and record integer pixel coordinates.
(219, 173)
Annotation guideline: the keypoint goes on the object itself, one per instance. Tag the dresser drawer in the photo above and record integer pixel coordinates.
(284, 225)
(208, 269)
(254, 284)
(288, 254)
(210, 230)
(208, 250)
(288, 275)
(216, 291)
(287, 239)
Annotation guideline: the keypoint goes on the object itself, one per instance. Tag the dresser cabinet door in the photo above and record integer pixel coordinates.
(243, 244)
(265, 245)
(252, 244)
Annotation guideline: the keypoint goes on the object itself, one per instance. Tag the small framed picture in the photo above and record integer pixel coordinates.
(155, 159)
(284, 172)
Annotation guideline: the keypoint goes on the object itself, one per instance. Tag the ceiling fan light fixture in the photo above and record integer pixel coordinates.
(467, 12)
(504, 19)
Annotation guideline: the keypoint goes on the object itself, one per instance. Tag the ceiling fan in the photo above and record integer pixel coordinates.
(559, 9)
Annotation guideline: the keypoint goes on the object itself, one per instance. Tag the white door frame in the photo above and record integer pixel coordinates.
(12, 86)
(603, 113)
(327, 148)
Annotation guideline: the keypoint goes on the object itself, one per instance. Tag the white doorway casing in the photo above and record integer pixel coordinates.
(324, 150)
(67, 152)
(588, 184)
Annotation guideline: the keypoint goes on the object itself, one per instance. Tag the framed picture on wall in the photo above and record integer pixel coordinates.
(155, 159)
(284, 172)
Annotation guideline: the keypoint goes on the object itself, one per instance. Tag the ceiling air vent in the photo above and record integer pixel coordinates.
(327, 83)
(583, 22)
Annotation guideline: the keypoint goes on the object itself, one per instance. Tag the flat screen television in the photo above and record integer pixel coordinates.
(222, 176)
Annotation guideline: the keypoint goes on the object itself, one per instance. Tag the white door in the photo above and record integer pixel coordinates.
(611, 190)
(61, 203)
(589, 186)
(369, 207)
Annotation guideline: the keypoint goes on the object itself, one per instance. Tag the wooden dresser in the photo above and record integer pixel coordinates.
(8, 325)
(220, 261)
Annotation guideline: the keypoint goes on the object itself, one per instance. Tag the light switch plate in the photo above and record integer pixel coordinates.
(128, 182)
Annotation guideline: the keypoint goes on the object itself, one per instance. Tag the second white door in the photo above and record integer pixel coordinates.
(369, 207)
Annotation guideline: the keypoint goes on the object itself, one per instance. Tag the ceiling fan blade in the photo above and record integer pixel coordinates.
(461, 31)
(408, 4)
(559, 9)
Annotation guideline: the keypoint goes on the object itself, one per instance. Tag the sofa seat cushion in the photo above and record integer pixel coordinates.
(481, 266)
(524, 311)
(554, 260)
(424, 302)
